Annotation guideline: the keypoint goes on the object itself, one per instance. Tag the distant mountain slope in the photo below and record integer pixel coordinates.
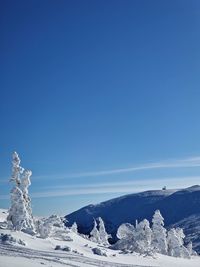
(175, 205)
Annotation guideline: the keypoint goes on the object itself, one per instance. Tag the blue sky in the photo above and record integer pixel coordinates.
(91, 87)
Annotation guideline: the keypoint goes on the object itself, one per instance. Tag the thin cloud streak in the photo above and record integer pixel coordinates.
(124, 188)
(169, 164)
(116, 187)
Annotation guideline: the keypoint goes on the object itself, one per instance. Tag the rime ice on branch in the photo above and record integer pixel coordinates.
(20, 213)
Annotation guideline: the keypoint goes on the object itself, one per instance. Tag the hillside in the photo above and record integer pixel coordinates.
(175, 206)
(38, 252)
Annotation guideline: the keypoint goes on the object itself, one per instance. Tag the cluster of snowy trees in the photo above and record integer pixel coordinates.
(140, 238)
(144, 239)
(98, 233)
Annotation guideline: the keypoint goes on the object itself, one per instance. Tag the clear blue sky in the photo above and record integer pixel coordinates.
(92, 86)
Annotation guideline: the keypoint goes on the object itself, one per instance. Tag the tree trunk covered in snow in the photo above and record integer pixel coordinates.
(20, 212)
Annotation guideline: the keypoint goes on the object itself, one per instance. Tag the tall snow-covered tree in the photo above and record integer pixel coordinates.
(142, 237)
(94, 234)
(102, 232)
(175, 240)
(20, 212)
(159, 237)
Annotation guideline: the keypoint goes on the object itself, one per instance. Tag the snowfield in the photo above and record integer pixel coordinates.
(41, 252)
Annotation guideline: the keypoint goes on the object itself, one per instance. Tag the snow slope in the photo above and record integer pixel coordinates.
(41, 252)
(175, 205)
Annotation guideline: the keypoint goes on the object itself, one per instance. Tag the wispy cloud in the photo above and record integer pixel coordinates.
(119, 187)
(168, 164)
(114, 187)
(190, 162)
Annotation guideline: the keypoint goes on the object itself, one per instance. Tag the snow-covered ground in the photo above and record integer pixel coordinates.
(41, 252)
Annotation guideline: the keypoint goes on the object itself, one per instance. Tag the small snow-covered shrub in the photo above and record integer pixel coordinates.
(99, 252)
(125, 230)
(52, 226)
(74, 228)
(66, 248)
(58, 247)
(10, 240)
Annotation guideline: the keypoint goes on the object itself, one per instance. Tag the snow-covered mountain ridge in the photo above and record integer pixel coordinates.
(175, 205)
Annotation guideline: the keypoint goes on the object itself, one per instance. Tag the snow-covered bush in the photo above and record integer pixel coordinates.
(125, 230)
(159, 237)
(134, 239)
(52, 226)
(94, 234)
(10, 240)
(175, 242)
(65, 248)
(20, 213)
(99, 251)
(74, 228)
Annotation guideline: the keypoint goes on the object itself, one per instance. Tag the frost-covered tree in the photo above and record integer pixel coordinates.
(189, 248)
(74, 228)
(20, 212)
(125, 231)
(125, 234)
(134, 239)
(159, 233)
(142, 237)
(51, 226)
(175, 240)
(17, 170)
(94, 234)
(102, 232)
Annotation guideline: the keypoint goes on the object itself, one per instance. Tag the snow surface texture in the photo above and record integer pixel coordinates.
(51, 252)
(128, 208)
(80, 252)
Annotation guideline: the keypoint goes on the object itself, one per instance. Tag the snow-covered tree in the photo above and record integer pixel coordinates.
(189, 248)
(94, 234)
(102, 232)
(142, 237)
(125, 231)
(20, 213)
(159, 241)
(74, 228)
(175, 242)
(16, 169)
(134, 239)
(51, 226)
